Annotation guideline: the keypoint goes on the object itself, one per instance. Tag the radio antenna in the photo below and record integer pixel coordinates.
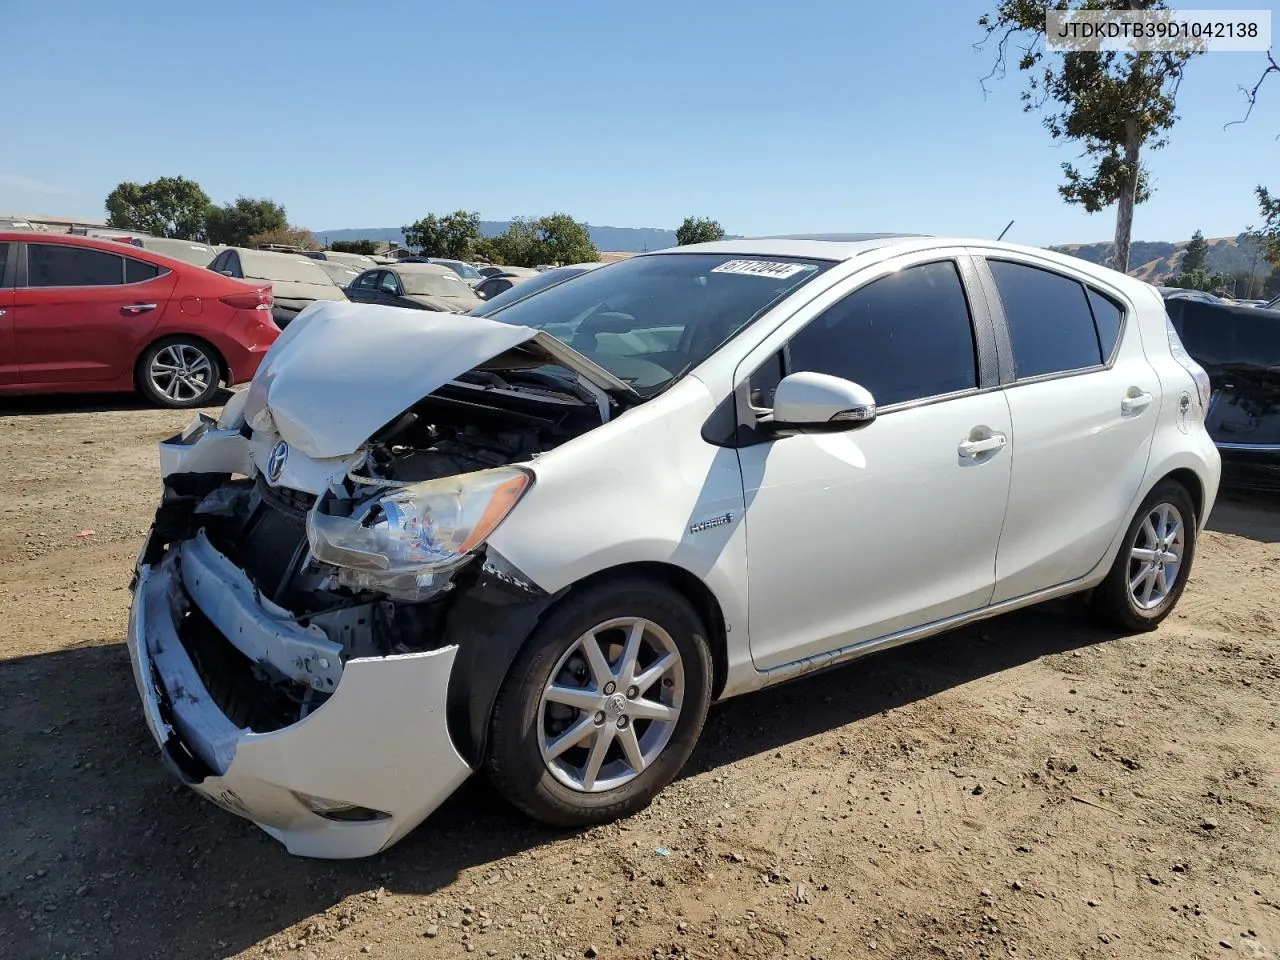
(1005, 230)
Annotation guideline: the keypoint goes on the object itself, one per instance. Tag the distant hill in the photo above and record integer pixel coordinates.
(621, 239)
(1157, 261)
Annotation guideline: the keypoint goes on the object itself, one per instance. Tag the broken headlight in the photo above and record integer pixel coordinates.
(402, 542)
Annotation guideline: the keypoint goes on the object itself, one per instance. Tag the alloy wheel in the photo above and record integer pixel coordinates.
(1156, 556)
(611, 704)
(181, 372)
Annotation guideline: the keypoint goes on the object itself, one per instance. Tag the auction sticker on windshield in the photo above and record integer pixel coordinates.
(761, 268)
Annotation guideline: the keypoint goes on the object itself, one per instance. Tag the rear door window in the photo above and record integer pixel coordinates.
(62, 265)
(1050, 324)
(4, 260)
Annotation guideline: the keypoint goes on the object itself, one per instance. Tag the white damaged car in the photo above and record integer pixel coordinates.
(539, 544)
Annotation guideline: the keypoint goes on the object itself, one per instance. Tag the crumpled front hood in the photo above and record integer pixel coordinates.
(342, 370)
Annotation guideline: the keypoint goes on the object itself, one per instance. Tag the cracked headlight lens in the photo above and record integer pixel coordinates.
(400, 542)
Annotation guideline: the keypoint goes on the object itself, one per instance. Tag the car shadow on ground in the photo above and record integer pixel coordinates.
(1247, 513)
(56, 403)
(102, 847)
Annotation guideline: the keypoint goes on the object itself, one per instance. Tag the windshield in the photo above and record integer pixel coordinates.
(464, 270)
(434, 285)
(649, 319)
(525, 288)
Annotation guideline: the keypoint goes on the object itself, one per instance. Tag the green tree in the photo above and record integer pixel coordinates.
(288, 236)
(517, 246)
(1194, 255)
(235, 224)
(1114, 104)
(555, 238)
(453, 235)
(167, 207)
(1201, 279)
(1268, 235)
(698, 230)
(561, 239)
(366, 247)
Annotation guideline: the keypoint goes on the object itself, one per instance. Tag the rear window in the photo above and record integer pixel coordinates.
(62, 265)
(261, 265)
(1050, 323)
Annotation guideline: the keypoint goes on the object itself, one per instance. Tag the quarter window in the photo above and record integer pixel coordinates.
(904, 337)
(62, 265)
(136, 271)
(1107, 316)
(1049, 320)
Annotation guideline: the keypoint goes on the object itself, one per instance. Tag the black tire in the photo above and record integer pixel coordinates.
(515, 763)
(204, 357)
(1113, 604)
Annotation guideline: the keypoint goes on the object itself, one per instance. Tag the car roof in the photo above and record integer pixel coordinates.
(99, 243)
(435, 269)
(847, 246)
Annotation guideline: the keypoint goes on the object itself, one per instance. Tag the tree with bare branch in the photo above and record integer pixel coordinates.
(1115, 104)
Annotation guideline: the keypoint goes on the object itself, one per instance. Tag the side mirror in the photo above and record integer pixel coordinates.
(820, 403)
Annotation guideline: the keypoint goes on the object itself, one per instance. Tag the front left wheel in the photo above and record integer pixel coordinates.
(603, 706)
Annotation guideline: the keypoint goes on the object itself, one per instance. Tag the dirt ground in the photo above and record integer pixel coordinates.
(1031, 787)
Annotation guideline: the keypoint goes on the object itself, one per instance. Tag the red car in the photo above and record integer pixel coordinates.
(79, 315)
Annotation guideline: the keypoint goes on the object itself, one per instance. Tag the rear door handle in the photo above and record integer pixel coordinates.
(1135, 402)
(976, 448)
(134, 309)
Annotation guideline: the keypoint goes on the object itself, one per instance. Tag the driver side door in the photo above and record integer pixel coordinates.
(860, 535)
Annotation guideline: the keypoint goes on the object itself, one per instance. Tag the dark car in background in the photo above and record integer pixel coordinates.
(416, 286)
(1239, 347)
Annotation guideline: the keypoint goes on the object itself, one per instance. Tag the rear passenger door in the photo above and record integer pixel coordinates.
(1083, 401)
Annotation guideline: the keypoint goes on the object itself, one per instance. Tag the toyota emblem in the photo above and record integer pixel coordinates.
(275, 462)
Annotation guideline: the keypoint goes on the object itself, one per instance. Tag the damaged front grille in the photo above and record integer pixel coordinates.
(248, 699)
(271, 544)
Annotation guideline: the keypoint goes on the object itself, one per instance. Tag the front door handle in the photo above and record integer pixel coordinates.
(1, 313)
(976, 448)
(134, 309)
(1135, 401)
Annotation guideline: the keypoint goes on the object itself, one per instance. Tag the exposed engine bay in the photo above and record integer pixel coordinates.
(314, 615)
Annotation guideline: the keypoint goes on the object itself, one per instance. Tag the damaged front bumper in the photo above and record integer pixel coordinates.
(348, 779)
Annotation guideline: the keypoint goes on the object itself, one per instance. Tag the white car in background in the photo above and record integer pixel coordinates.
(539, 543)
(193, 252)
(296, 281)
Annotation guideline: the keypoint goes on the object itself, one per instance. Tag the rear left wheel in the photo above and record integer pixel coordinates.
(1151, 570)
(179, 372)
(603, 706)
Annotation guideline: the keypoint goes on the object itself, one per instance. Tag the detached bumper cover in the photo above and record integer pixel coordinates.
(380, 741)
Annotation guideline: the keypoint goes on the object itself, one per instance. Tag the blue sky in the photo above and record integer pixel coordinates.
(770, 117)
